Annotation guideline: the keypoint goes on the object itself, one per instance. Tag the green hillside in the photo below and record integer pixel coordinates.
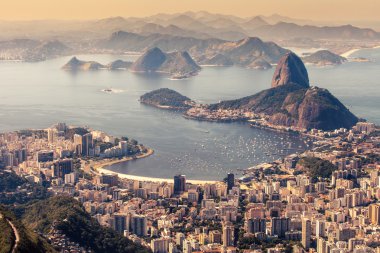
(72, 220)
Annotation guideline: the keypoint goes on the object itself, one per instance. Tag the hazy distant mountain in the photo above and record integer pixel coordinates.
(284, 30)
(195, 32)
(125, 41)
(154, 60)
(173, 30)
(47, 50)
(221, 28)
(217, 60)
(32, 50)
(259, 64)
(276, 18)
(111, 23)
(187, 22)
(252, 24)
(255, 22)
(205, 16)
(244, 52)
(223, 23)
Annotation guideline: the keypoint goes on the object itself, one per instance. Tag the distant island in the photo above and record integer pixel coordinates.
(119, 65)
(167, 99)
(177, 64)
(323, 58)
(74, 64)
(290, 103)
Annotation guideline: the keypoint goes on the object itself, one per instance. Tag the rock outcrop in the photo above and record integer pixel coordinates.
(154, 60)
(290, 69)
(150, 61)
(179, 63)
(74, 65)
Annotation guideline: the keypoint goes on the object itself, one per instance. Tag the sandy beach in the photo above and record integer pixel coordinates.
(153, 179)
(349, 53)
(99, 167)
(106, 162)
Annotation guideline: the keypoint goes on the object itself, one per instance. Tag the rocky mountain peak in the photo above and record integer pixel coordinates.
(290, 69)
(151, 60)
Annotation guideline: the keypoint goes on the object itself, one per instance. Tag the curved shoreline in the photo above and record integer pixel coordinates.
(350, 52)
(98, 165)
(153, 179)
(99, 168)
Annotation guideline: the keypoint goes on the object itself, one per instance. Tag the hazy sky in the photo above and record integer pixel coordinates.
(94, 9)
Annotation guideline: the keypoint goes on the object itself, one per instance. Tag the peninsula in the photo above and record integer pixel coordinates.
(291, 103)
(323, 58)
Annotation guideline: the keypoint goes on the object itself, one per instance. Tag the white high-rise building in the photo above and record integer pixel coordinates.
(160, 245)
(320, 228)
(228, 235)
(306, 233)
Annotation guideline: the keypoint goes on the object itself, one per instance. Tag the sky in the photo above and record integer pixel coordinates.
(334, 10)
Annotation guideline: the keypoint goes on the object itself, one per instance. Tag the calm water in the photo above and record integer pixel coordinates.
(36, 95)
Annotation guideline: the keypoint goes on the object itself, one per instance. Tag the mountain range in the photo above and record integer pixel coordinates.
(188, 24)
(227, 27)
(203, 35)
(243, 52)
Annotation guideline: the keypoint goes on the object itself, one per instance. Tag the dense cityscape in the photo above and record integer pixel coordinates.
(189, 126)
(323, 200)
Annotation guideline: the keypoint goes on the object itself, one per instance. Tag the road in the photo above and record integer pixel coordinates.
(17, 240)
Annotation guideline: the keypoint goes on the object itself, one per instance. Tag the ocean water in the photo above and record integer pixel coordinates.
(37, 95)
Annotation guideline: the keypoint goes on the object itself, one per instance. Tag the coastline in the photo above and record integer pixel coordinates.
(99, 169)
(164, 107)
(350, 52)
(153, 179)
(107, 162)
